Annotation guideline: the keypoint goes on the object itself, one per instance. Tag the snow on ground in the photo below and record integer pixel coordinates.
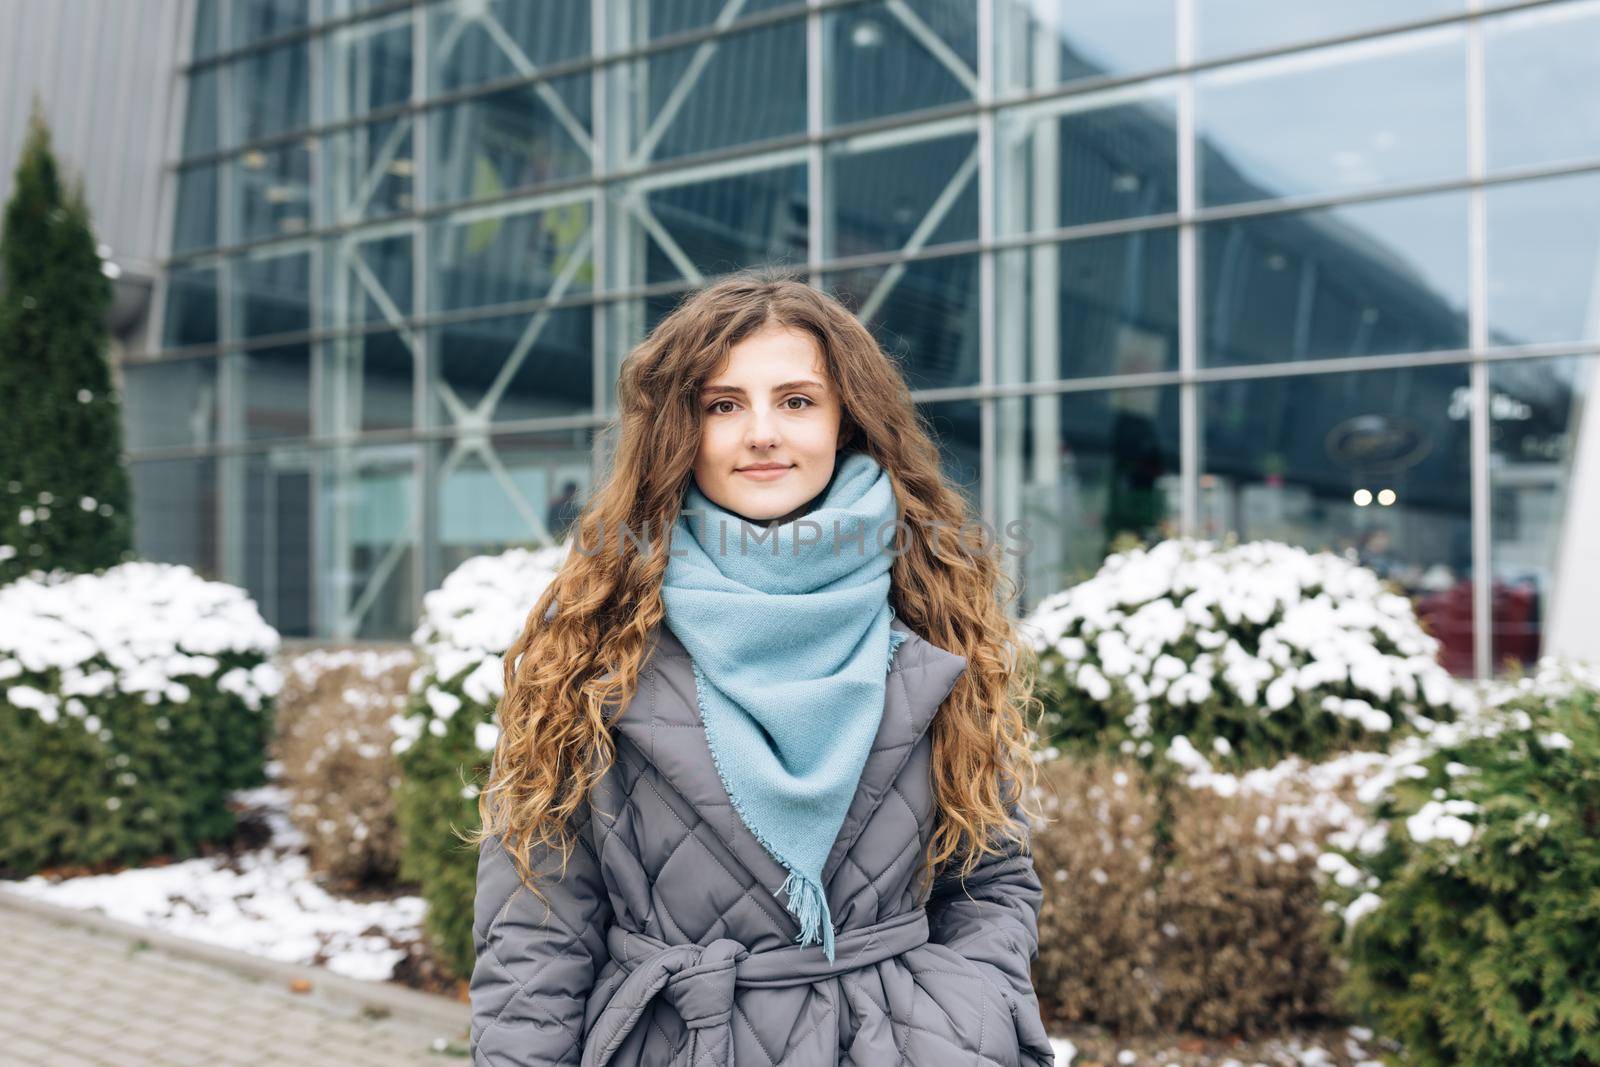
(263, 901)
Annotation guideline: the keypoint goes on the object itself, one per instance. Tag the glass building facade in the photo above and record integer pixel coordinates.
(1324, 273)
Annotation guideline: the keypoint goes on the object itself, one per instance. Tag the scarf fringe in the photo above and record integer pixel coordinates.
(809, 905)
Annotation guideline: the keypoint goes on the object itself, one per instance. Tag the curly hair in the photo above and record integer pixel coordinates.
(582, 647)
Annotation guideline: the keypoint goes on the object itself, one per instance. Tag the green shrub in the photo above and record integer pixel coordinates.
(1472, 920)
(446, 735)
(1252, 653)
(131, 704)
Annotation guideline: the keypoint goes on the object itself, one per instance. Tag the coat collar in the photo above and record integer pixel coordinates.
(663, 722)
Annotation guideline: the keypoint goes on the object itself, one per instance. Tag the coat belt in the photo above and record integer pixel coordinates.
(699, 980)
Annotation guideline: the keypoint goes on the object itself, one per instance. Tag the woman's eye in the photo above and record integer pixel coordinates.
(804, 399)
(716, 405)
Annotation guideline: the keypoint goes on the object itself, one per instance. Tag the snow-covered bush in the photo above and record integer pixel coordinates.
(1470, 907)
(446, 735)
(336, 747)
(131, 703)
(1251, 653)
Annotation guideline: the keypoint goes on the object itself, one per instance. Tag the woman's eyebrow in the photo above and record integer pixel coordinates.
(801, 384)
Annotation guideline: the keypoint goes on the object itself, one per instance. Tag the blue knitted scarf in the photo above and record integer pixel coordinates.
(790, 640)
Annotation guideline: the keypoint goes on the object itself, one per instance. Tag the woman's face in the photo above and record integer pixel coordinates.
(769, 427)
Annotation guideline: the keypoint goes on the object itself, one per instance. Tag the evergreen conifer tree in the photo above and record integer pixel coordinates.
(64, 498)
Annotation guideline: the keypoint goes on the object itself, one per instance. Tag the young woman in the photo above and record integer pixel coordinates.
(763, 786)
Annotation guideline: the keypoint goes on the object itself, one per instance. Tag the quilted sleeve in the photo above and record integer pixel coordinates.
(536, 961)
(992, 919)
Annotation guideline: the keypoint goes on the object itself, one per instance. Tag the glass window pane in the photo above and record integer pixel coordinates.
(202, 124)
(255, 19)
(1544, 248)
(1540, 72)
(207, 28)
(1544, 430)
(271, 92)
(277, 531)
(175, 512)
(734, 90)
(904, 195)
(371, 277)
(885, 59)
(169, 403)
(521, 491)
(1044, 43)
(651, 22)
(515, 367)
(368, 381)
(274, 391)
(1337, 120)
(473, 41)
(195, 223)
(924, 315)
(751, 213)
(272, 292)
(272, 190)
(507, 253)
(367, 504)
(1370, 464)
(521, 138)
(1088, 159)
(1090, 307)
(1080, 474)
(956, 426)
(1379, 277)
(1227, 27)
(371, 171)
(191, 310)
(368, 66)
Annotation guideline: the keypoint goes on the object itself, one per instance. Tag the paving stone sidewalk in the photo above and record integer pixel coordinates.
(78, 989)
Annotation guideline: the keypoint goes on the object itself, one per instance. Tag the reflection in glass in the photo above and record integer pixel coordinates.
(1544, 257)
(1379, 277)
(274, 389)
(924, 314)
(191, 305)
(651, 22)
(255, 19)
(175, 512)
(512, 252)
(746, 87)
(272, 291)
(169, 403)
(371, 171)
(521, 138)
(1082, 474)
(904, 196)
(508, 491)
(271, 92)
(368, 66)
(202, 124)
(371, 275)
(207, 28)
(1336, 120)
(272, 190)
(277, 535)
(1085, 160)
(751, 214)
(195, 222)
(1090, 307)
(1044, 43)
(885, 59)
(515, 367)
(1372, 465)
(1228, 27)
(1545, 441)
(367, 530)
(474, 41)
(368, 381)
(1541, 68)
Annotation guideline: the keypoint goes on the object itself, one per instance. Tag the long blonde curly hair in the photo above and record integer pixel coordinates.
(565, 673)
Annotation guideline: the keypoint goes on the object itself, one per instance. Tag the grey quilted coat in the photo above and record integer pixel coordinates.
(666, 944)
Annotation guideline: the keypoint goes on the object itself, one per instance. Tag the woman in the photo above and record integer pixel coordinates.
(817, 687)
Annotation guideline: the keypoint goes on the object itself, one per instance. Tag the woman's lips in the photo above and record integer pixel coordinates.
(765, 474)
